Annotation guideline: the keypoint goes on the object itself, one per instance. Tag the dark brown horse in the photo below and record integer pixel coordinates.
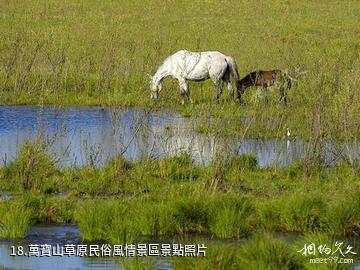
(262, 80)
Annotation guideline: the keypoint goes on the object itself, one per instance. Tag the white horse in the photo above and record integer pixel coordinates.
(196, 66)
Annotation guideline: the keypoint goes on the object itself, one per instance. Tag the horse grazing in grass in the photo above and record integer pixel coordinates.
(196, 66)
(262, 80)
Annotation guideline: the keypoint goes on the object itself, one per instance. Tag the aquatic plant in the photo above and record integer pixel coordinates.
(180, 167)
(325, 247)
(343, 215)
(130, 200)
(33, 169)
(231, 216)
(266, 252)
(15, 219)
(47, 209)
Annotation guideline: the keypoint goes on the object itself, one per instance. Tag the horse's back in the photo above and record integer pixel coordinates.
(192, 54)
(275, 74)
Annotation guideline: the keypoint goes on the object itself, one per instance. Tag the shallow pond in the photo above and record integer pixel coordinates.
(92, 135)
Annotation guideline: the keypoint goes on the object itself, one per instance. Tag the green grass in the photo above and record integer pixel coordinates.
(266, 252)
(17, 214)
(230, 198)
(263, 252)
(99, 53)
(33, 170)
(322, 240)
(127, 202)
(47, 209)
(15, 219)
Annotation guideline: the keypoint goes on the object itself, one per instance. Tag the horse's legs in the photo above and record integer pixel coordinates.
(227, 81)
(218, 90)
(184, 90)
(154, 92)
(217, 83)
(187, 94)
(239, 91)
(156, 89)
(217, 73)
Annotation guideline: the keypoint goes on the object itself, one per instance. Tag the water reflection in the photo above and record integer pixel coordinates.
(92, 135)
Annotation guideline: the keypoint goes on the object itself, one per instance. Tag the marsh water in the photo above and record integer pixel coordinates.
(60, 235)
(92, 135)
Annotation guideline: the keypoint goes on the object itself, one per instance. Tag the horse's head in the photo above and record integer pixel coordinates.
(155, 88)
(154, 92)
(240, 89)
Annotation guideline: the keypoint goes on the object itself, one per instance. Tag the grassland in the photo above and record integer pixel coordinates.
(161, 199)
(100, 52)
(231, 198)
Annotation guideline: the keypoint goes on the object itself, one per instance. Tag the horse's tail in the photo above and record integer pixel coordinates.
(234, 71)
